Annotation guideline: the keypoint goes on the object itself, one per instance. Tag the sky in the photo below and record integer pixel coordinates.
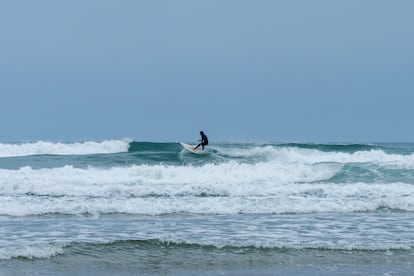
(242, 71)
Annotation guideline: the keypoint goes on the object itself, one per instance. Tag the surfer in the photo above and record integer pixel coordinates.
(204, 141)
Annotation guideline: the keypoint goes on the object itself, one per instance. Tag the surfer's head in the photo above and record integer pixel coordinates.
(201, 132)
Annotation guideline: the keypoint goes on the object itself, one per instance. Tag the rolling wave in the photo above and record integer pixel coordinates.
(157, 246)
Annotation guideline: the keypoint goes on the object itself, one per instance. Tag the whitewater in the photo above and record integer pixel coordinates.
(117, 201)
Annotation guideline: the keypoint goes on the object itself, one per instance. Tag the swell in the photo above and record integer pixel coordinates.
(154, 147)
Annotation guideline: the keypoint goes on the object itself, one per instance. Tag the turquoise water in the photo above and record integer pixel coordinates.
(127, 207)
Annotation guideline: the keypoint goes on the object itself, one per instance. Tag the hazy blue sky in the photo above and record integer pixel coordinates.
(259, 71)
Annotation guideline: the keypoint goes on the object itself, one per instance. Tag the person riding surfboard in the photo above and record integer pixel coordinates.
(204, 141)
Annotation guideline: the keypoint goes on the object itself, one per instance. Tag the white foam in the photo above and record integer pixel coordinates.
(196, 205)
(36, 251)
(41, 147)
(213, 189)
(223, 179)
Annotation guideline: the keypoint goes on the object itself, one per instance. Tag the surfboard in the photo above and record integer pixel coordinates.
(190, 148)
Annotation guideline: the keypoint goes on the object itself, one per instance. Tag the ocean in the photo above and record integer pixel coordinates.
(121, 207)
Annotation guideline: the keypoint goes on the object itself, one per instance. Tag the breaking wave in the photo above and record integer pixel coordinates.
(43, 148)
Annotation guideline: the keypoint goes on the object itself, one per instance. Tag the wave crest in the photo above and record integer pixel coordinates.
(43, 148)
(35, 251)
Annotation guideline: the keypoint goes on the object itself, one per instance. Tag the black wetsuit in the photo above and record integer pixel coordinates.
(204, 140)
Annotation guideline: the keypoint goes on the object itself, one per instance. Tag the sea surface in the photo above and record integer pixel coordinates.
(121, 207)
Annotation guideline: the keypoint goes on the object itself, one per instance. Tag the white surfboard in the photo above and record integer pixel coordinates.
(190, 148)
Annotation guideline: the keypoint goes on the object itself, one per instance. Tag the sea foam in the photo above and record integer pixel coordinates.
(231, 178)
(229, 188)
